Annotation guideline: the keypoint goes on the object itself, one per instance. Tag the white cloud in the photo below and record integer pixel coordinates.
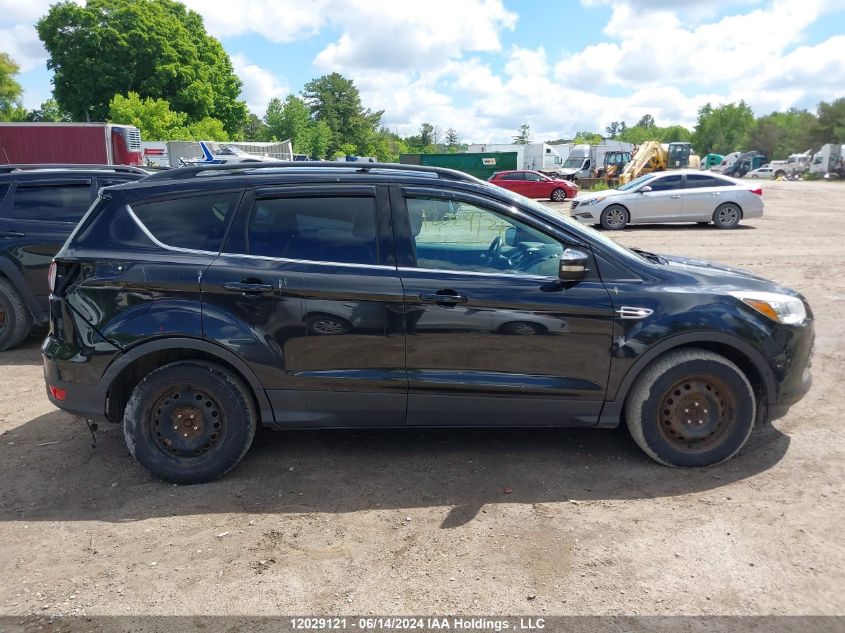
(23, 46)
(259, 84)
(279, 21)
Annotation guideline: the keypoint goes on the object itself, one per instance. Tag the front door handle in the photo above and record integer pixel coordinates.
(715, 193)
(675, 197)
(12, 234)
(247, 288)
(450, 299)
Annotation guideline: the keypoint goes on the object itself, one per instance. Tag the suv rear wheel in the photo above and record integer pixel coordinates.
(15, 319)
(189, 422)
(691, 407)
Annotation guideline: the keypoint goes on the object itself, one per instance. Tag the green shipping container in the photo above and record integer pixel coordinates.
(482, 165)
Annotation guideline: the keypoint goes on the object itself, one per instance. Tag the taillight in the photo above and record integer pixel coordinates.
(757, 192)
(51, 276)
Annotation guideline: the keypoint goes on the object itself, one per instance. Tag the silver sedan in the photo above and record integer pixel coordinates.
(684, 195)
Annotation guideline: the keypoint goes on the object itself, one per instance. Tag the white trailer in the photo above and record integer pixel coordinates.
(828, 159)
(537, 156)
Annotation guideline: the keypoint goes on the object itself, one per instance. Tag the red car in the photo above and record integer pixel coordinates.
(533, 184)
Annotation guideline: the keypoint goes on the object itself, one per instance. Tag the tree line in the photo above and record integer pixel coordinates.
(151, 63)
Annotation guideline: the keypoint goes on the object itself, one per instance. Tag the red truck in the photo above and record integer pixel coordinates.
(72, 143)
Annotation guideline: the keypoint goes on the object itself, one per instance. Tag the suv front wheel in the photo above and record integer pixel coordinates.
(190, 421)
(691, 407)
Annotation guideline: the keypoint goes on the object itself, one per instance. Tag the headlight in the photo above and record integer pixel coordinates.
(592, 201)
(781, 308)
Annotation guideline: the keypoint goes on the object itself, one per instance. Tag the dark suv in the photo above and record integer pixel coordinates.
(39, 206)
(198, 302)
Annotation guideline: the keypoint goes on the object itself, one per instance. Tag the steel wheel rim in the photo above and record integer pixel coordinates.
(615, 217)
(523, 329)
(187, 422)
(728, 215)
(327, 326)
(697, 414)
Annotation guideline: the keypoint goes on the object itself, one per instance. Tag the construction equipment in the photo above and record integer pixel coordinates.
(613, 165)
(654, 156)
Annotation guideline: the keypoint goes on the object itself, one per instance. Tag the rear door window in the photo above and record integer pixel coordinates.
(325, 229)
(696, 181)
(59, 202)
(196, 223)
(667, 183)
(514, 176)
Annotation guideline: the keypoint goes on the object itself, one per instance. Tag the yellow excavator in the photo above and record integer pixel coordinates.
(655, 156)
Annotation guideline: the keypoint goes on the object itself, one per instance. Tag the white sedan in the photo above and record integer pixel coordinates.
(761, 172)
(683, 195)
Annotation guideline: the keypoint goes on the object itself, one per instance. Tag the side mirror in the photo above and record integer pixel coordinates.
(573, 265)
(510, 236)
(645, 189)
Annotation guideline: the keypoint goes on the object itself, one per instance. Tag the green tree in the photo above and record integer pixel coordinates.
(523, 135)
(615, 129)
(335, 100)
(206, 129)
(588, 138)
(830, 127)
(10, 89)
(723, 129)
(153, 117)
(288, 119)
(452, 139)
(319, 138)
(255, 129)
(49, 111)
(646, 121)
(637, 135)
(155, 48)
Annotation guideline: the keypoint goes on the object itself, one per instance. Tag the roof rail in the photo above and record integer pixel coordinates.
(7, 169)
(179, 173)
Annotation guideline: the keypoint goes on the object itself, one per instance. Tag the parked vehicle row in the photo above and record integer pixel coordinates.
(195, 304)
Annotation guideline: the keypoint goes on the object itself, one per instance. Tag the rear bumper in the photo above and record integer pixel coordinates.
(81, 400)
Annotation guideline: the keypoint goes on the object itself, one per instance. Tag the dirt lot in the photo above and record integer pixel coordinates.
(373, 522)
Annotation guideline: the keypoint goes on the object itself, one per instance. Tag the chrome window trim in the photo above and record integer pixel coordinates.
(287, 260)
(476, 273)
(159, 243)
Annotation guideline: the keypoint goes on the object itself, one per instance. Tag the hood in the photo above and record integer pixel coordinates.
(607, 193)
(567, 171)
(715, 277)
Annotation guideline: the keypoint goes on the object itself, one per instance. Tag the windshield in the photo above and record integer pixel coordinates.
(574, 163)
(636, 182)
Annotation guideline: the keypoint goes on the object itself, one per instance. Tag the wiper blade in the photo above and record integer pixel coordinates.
(652, 257)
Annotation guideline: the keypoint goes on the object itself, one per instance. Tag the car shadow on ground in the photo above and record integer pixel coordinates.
(50, 472)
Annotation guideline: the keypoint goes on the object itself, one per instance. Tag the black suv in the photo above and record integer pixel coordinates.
(39, 206)
(198, 302)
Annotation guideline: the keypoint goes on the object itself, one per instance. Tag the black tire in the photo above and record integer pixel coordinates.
(15, 318)
(157, 425)
(705, 386)
(727, 216)
(780, 174)
(615, 217)
(558, 195)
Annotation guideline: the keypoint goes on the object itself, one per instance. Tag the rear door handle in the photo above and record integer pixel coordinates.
(675, 197)
(438, 298)
(247, 288)
(12, 234)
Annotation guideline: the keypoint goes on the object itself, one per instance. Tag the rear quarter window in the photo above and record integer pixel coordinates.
(197, 223)
(56, 202)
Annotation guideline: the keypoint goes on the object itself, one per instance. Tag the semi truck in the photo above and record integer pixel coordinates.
(829, 161)
(537, 156)
(479, 164)
(70, 143)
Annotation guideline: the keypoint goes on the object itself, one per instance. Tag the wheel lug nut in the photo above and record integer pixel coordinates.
(196, 427)
(701, 421)
(175, 428)
(179, 415)
(686, 410)
(186, 435)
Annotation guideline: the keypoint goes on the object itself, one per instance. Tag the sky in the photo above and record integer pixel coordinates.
(484, 67)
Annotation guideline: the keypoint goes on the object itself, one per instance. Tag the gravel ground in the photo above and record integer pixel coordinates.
(470, 521)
